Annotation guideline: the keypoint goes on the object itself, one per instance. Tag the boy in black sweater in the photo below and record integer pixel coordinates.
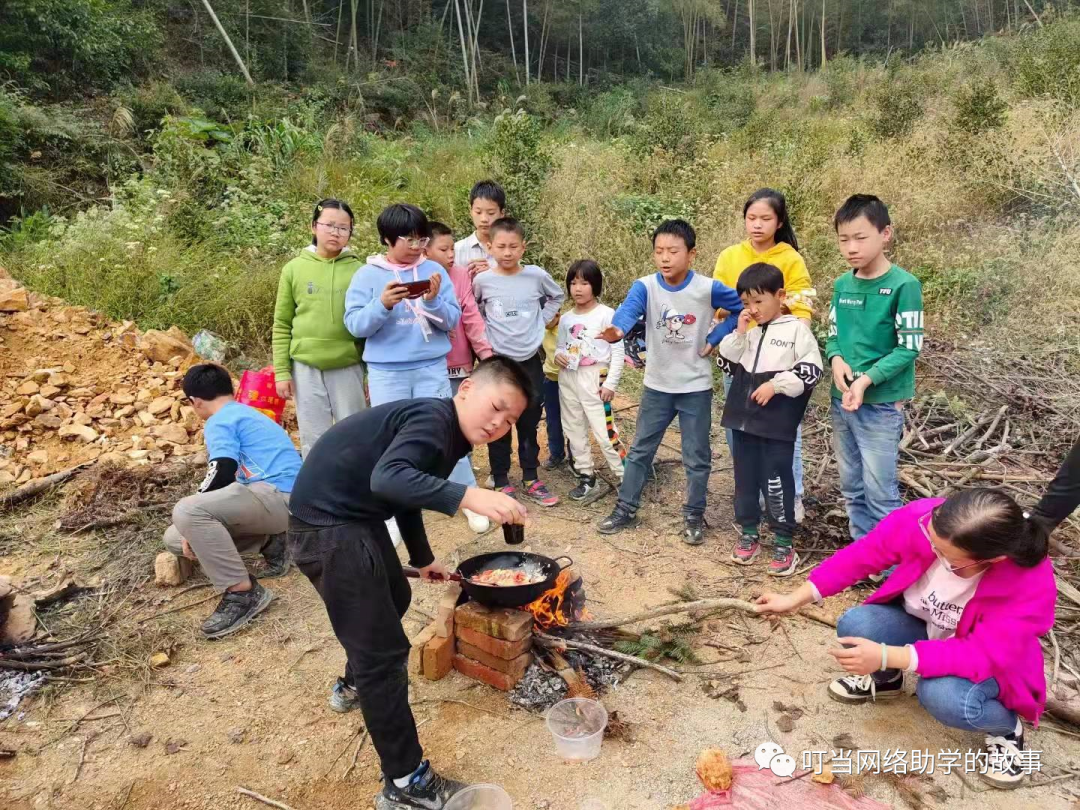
(391, 462)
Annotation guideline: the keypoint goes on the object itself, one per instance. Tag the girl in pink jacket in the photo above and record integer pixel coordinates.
(971, 592)
(468, 340)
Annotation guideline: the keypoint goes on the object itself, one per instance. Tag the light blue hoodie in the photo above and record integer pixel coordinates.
(395, 338)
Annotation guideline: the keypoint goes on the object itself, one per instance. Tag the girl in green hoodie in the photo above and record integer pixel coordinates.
(316, 360)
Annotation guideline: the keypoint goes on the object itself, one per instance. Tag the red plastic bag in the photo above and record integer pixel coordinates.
(257, 389)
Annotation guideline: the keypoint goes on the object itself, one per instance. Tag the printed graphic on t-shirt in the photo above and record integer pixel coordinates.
(673, 325)
(941, 613)
(499, 310)
(583, 345)
(248, 471)
(909, 326)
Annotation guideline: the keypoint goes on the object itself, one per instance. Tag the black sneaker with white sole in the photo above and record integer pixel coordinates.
(275, 556)
(1004, 769)
(235, 610)
(693, 530)
(589, 490)
(426, 791)
(863, 688)
(621, 518)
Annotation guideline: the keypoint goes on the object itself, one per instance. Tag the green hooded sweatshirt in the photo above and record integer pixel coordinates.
(309, 316)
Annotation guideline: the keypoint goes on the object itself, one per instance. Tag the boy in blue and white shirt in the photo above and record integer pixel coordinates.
(243, 502)
(678, 305)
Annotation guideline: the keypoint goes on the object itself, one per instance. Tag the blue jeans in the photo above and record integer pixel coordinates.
(866, 443)
(796, 461)
(385, 386)
(553, 416)
(953, 701)
(657, 411)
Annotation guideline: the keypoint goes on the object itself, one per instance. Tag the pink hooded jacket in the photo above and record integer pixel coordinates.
(998, 633)
(469, 336)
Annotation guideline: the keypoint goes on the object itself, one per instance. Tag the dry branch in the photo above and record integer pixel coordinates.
(561, 643)
(700, 605)
(260, 798)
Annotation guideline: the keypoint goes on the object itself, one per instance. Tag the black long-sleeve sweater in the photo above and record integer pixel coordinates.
(388, 461)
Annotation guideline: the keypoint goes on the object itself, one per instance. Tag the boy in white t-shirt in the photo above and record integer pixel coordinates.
(590, 368)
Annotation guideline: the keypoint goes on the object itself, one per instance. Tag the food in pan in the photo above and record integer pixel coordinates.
(506, 577)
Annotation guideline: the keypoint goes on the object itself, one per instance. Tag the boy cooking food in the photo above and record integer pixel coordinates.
(392, 461)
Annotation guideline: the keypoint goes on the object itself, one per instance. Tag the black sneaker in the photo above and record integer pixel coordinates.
(1004, 769)
(618, 520)
(275, 556)
(863, 688)
(427, 790)
(237, 609)
(589, 490)
(343, 698)
(550, 463)
(693, 530)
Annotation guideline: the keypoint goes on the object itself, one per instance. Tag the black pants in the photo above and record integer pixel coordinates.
(764, 466)
(356, 571)
(500, 452)
(1063, 494)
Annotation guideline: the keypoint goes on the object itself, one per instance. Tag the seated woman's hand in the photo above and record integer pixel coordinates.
(861, 657)
(770, 602)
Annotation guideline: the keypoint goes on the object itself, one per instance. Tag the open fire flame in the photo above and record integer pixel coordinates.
(556, 607)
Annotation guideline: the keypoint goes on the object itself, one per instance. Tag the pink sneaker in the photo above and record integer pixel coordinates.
(746, 549)
(784, 561)
(508, 490)
(539, 493)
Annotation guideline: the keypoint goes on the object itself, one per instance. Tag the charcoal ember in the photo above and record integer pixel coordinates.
(538, 690)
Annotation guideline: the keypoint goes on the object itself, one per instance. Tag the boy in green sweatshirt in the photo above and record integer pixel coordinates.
(316, 360)
(875, 334)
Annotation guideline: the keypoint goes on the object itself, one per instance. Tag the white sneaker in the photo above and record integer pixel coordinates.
(800, 510)
(395, 532)
(478, 523)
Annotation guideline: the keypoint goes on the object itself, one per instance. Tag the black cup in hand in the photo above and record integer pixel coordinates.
(513, 533)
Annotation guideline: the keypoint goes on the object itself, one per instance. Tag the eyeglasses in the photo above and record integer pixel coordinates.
(416, 244)
(924, 524)
(337, 230)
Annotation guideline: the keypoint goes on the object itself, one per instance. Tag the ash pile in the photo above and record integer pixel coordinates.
(541, 687)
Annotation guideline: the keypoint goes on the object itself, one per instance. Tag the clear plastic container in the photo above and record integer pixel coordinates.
(480, 797)
(577, 726)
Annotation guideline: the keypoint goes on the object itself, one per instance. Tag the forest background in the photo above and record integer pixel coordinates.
(159, 158)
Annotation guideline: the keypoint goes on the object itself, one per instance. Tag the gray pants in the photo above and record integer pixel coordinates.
(325, 397)
(221, 524)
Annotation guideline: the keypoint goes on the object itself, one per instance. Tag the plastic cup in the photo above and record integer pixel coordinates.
(480, 797)
(577, 726)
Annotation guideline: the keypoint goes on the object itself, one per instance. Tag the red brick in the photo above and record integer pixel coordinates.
(444, 615)
(478, 672)
(438, 658)
(515, 666)
(416, 651)
(506, 650)
(502, 623)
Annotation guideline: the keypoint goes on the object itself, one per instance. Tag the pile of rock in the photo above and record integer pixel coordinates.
(77, 387)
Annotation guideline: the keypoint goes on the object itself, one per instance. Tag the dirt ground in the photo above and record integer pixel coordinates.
(251, 710)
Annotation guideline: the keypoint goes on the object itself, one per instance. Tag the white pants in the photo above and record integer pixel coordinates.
(325, 397)
(582, 409)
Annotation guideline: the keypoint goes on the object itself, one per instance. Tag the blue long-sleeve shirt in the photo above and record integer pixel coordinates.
(677, 326)
(394, 339)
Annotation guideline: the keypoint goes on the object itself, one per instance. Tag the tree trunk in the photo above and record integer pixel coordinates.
(581, 51)
(375, 38)
(798, 40)
(839, 29)
(753, 33)
(229, 43)
(464, 52)
(337, 36)
(823, 57)
(525, 23)
(352, 52)
(513, 50)
(790, 22)
(734, 27)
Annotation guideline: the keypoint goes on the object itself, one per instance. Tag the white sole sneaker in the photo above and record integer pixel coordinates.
(478, 523)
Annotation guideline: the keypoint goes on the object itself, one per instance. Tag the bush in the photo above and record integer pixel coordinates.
(1047, 62)
(613, 113)
(732, 101)
(219, 95)
(979, 108)
(841, 75)
(898, 106)
(672, 124)
(643, 212)
(520, 161)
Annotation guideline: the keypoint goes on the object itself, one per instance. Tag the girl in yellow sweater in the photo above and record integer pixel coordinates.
(771, 239)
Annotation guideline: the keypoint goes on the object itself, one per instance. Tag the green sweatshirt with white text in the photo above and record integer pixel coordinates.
(309, 315)
(876, 326)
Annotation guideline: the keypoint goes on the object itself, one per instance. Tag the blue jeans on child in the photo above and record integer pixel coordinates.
(658, 410)
(553, 417)
(953, 701)
(866, 443)
(427, 381)
(796, 462)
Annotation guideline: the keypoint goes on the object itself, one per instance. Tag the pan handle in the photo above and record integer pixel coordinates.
(564, 557)
(414, 573)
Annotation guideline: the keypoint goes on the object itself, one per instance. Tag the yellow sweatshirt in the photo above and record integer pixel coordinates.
(738, 257)
(551, 369)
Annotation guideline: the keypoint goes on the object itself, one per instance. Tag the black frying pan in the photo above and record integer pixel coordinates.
(515, 595)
